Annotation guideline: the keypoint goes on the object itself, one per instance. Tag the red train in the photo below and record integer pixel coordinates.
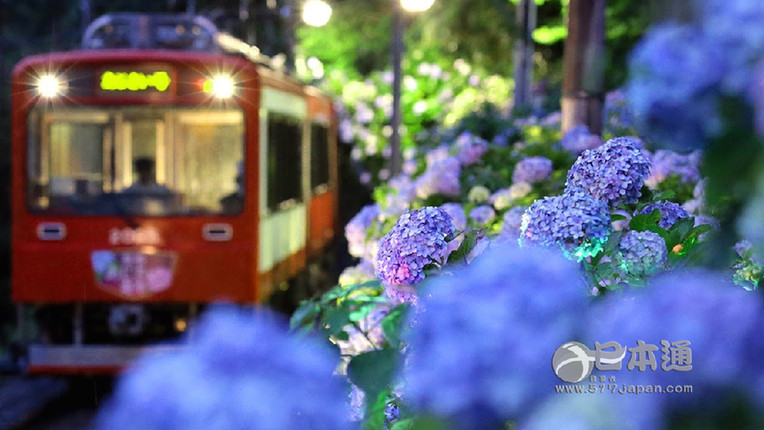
(162, 167)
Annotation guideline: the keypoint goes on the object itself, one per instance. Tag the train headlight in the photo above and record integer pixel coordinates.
(222, 87)
(49, 86)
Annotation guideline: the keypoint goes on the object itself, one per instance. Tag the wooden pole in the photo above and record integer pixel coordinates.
(583, 66)
(523, 56)
(396, 49)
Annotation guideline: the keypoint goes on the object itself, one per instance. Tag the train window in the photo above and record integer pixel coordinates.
(319, 153)
(284, 160)
(135, 160)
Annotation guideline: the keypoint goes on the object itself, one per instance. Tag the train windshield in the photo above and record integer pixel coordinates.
(135, 161)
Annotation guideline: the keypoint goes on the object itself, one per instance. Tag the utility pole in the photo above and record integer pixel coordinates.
(396, 49)
(525, 19)
(583, 66)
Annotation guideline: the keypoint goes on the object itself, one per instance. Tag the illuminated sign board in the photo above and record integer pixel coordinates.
(134, 81)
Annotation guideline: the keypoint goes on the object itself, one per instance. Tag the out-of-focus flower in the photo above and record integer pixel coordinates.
(575, 222)
(464, 363)
(614, 172)
(532, 169)
(501, 199)
(442, 177)
(578, 139)
(675, 73)
(478, 194)
(358, 274)
(367, 335)
(592, 413)
(674, 313)
(417, 240)
(513, 220)
(356, 231)
(641, 253)
(470, 148)
(481, 215)
(670, 212)
(518, 190)
(239, 371)
(666, 163)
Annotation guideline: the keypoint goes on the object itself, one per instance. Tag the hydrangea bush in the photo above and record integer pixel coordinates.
(503, 240)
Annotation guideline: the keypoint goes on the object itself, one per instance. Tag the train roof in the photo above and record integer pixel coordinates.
(177, 32)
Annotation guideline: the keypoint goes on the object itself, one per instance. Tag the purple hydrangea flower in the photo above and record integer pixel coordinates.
(470, 148)
(417, 240)
(614, 172)
(442, 177)
(355, 230)
(532, 169)
(482, 214)
(476, 360)
(641, 253)
(722, 324)
(578, 139)
(618, 114)
(456, 212)
(666, 163)
(670, 213)
(575, 221)
(675, 72)
(238, 371)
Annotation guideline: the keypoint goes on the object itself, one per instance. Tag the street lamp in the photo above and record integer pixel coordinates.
(397, 48)
(316, 13)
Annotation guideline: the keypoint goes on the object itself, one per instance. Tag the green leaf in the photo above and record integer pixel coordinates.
(683, 227)
(391, 325)
(643, 222)
(336, 319)
(375, 411)
(373, 371)
(305, 315)
(421, 423)
(549, 35)
(617, 217)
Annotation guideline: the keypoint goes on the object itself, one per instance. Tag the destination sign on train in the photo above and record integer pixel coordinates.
(135, 81)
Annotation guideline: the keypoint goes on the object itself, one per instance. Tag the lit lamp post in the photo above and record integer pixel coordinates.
(316, 13)
(396, 47)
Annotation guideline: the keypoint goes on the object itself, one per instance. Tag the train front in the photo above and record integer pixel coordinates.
(134, 190)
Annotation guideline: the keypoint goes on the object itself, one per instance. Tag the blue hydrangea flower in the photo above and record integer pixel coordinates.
(456, 211)
(477, 351)
(240, 370)
(442, 177)
(417, 240)
(618, 114)
(722, 324)
(513, 220)
(532, 169)
(670, 212)
(614, 172)
(578, 139)
(482, 214)
(356, 230)
(666, 163)
(470, 148)
(641, 253)
(575, 221)
(594, 412)
(737, 26)
(674, 76)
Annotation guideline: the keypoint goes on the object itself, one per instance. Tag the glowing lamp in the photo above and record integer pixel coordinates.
(316, 13)
(49, 86)
(416, 5)
(221, 87)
